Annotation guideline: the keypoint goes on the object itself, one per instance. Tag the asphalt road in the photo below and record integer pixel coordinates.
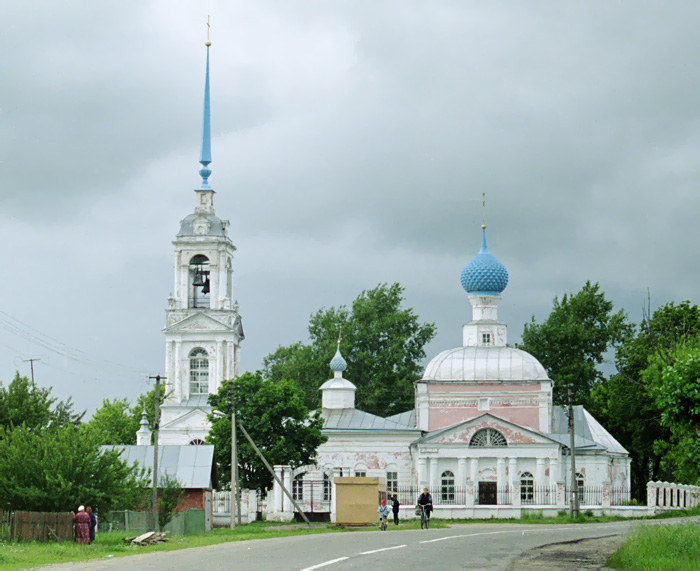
(472, 546)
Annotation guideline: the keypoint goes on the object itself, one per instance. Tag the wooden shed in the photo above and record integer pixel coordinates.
(357, 499)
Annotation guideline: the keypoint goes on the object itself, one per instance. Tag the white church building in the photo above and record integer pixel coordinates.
(483, 432)
(483, 435)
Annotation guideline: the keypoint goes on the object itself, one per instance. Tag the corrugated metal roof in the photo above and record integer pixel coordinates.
(191, 465)
(353, 419)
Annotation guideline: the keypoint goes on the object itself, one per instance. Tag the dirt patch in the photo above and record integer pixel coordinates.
(591, 553)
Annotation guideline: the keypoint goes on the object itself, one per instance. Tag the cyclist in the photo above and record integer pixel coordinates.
(383, 511)
(426, 500)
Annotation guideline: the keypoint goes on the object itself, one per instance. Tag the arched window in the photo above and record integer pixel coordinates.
(199, 282)
(199, 372)
(197, 442)
(527, 488)
(447, 487)
(488, 437)
(298, 487)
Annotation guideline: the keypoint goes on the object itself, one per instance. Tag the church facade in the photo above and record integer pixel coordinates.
(203, 329)
(483, 434)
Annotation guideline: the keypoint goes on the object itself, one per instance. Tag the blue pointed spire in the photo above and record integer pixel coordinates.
(205, 154)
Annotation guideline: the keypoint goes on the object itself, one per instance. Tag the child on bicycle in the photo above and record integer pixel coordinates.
(383, 512)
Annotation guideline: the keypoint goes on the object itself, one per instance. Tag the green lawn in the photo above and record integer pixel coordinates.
(668, 547)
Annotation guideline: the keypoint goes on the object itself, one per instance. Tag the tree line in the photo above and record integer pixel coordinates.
(649, 398)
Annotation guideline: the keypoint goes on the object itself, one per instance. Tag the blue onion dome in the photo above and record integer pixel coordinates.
(484, 274)
(338, 364)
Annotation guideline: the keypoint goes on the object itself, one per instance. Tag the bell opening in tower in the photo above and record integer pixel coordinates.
(199, 287)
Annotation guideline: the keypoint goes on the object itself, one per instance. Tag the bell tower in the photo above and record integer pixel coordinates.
(203, 330)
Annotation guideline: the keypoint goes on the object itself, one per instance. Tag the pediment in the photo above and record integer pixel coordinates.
(197, 322)
(463, 432)
(193, 418)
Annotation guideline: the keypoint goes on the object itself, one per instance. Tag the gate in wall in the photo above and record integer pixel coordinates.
(313, 497)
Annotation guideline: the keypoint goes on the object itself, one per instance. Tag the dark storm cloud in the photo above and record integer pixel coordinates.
(352, 142)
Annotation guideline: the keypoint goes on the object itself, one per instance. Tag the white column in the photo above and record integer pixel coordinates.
(422, 473)
(287, 480)
(513, 470)
(539, 473)
(553, 472)
(180, 391)
(278, 493)
(219, 367)
(474, 470)
(461, 472)
(500, 473)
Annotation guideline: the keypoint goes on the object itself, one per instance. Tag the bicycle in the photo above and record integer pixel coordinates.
(424, 517)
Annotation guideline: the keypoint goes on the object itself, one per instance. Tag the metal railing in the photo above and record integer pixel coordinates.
(538, 495)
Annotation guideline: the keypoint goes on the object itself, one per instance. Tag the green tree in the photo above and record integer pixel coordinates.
(274, 414)
(571, 343)
(23, 404)
(625, 404)
(57, 470)
(383, 344)
(170, 493)
(113, 423)
(674, 383)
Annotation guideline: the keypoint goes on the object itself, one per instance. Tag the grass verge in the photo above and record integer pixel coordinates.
(664, 547)
(22, 555)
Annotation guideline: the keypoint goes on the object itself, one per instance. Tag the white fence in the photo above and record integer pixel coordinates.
(672, 496)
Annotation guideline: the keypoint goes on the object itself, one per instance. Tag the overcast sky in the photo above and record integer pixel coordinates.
(351, 144)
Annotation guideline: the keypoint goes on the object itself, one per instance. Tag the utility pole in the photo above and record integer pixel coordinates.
(156, 421)
(574, 508)
(31, 364)
(234, 464)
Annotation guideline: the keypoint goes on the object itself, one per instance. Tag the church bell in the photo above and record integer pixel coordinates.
(198, 277)
(205, 286)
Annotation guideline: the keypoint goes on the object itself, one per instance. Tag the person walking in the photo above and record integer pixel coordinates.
(395, 508)
(82, 526)
(93, 522)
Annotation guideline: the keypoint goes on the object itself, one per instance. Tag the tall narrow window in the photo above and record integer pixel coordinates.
(447, 487)
(199, 372)
(580, 480)
(486, 339)
(326, 488)
(298, 487)
(392, 481)
(527, 488)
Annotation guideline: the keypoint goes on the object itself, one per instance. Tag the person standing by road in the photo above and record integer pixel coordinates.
(395, 508)
(82, 526)
(93, 523)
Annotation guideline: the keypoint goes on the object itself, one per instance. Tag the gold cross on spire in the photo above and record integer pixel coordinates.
(208, 43)
(483, 206)
(340, 333)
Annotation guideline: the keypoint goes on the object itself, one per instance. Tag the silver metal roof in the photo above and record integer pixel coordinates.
(588, 433)
(191, 465)
(213, 225)
(484, 364)
(353, 419)
(407, 418)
